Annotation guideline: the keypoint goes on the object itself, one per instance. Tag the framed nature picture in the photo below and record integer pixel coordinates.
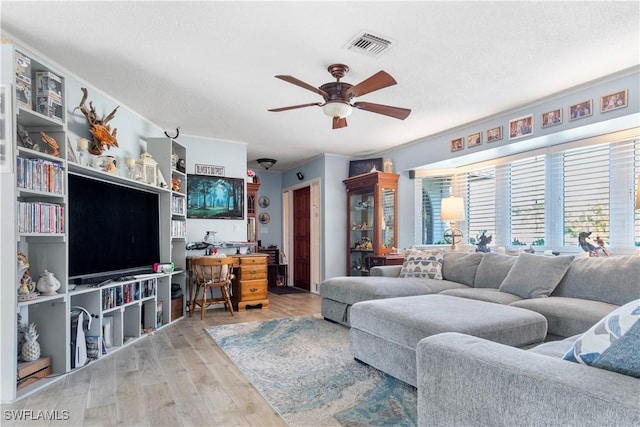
(457, 144)
(494, 134)
(581, 110)
(613, 101)
(213, 197)
(474, 140)
(359, 167)
(521, 126)
(552, 118)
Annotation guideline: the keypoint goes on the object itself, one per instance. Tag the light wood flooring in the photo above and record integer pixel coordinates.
(176, 377)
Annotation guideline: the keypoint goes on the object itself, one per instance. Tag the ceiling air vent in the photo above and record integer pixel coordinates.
(369, 44)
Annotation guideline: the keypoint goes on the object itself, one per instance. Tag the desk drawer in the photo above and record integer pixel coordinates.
(246, 260)
(253, 290)
(252, 272)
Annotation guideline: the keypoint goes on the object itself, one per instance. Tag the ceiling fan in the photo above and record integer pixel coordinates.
(338, 95)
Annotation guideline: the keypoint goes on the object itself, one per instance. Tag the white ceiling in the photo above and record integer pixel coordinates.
(208, 67)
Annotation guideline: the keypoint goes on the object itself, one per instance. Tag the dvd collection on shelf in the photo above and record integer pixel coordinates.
(40, 175)
(124, 294)
(39, 217)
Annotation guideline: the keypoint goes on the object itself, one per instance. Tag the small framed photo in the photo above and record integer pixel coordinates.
(552, 118)
(613, 101)
(457, 144)
(474, 140)
(521, 126)
(494, 134)
(581, 110)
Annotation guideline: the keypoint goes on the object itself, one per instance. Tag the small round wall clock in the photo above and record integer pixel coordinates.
(264, 218)
(264, 202)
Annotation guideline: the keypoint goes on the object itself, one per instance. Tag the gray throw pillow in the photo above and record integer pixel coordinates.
(535, 276)
(461, 266)
(493, 269)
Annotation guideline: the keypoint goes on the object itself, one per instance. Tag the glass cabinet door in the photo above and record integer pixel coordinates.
(362, 215)
(388, 198)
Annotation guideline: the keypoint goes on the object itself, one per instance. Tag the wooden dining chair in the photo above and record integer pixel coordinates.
(211, 272)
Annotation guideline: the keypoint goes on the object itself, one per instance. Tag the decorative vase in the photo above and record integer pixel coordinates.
(31, 346)
(48, 284)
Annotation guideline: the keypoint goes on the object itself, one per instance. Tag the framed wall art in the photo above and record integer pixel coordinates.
(581, 110)
(211, 197)
(613, 101)
(264, 218)
(552, 118)
(494, 134)
(474, 140)
(209, 170)
(521, 126)
(264, 202)
(457, 144)
(359, 167)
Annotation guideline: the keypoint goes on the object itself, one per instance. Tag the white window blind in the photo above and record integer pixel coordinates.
(528, 201)
(635, 180)
(481, 203)
(586, 193)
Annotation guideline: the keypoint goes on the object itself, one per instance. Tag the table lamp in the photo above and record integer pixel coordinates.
(452, 209)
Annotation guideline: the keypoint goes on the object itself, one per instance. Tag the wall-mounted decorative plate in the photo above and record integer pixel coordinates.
(264, 218)
(264, 202)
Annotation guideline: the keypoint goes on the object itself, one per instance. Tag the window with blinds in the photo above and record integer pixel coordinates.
(586, 193)
(481, 203)
(527, 202)
(547, 199)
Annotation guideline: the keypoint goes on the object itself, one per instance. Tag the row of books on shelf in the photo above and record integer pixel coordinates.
(178, 205)
(40, 175)
(124, 294)
(39, 217)
(178, 228)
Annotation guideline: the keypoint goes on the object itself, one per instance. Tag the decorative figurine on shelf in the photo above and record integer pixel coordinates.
(175, 184)
(25, 140)
(600, 242)
(587, 246)
(52, 144)
(484, 242)
(251, 176)
(103, 135)
(26, 287)
(48, 284)
(31, 346)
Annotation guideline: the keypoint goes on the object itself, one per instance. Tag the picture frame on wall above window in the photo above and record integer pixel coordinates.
(521, 127)
(552, 118)
(457, 144)
(581, 110)
(613, 101)
(359, 167)
(494, 134)
(474, 140)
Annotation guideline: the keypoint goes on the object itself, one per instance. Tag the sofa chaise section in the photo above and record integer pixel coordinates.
(469, 381)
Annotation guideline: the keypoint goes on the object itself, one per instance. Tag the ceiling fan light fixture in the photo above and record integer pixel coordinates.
(266, 163)
(337, 109)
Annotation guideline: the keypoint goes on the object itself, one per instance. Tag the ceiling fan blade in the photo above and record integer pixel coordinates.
(379, 80)
(339, 122)
(396, 112)
(302, 84)
(295, 106)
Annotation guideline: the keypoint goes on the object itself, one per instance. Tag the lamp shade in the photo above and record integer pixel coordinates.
(337, 109)
(452, 209)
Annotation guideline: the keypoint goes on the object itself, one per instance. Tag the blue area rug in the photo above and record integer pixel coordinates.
(303, 368)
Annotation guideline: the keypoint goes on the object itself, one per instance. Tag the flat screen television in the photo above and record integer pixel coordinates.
(113, 229)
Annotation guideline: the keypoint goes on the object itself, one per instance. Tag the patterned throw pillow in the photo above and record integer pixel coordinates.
(425, 264)
(612, 343)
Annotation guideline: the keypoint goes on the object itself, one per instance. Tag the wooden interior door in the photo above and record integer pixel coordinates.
(301, 238)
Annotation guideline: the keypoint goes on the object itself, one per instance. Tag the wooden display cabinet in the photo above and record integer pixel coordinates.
(372, 208)
(252, 205)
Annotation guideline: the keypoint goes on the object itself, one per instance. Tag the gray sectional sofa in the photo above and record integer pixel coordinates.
(479, 331)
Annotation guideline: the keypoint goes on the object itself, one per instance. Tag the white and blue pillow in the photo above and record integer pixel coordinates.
(613, 343)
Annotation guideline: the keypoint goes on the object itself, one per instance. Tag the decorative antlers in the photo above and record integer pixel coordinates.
(100, 130)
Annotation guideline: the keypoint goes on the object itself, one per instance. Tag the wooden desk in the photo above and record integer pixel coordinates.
(249, 287)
